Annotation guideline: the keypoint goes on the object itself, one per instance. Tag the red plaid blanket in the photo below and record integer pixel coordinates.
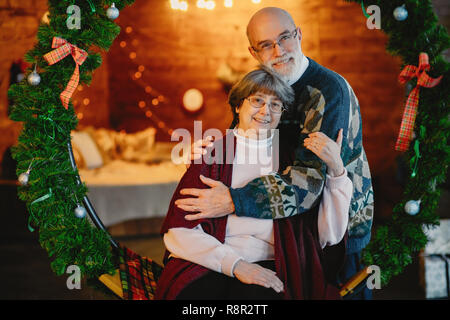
(138, 275)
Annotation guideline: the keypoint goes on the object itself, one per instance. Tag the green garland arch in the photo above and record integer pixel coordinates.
(53, 190)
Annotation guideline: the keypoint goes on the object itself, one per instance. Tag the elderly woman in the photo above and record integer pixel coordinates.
(246, 258)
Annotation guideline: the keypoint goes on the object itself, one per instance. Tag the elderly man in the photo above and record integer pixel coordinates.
(324, 102)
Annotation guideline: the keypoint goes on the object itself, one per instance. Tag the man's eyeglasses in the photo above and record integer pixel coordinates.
(274, 106)
(283, 41)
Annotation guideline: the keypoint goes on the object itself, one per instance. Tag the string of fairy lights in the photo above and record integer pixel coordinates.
(202, 4)
(147, 105)
(157, 99)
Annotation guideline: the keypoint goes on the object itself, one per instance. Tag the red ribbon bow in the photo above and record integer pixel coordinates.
(65, 48)
(409, 115)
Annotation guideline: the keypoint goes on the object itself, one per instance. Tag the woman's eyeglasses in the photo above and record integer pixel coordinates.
(258, 102)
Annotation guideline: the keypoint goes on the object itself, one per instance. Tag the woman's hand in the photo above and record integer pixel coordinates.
(252, 273)
(327, 150)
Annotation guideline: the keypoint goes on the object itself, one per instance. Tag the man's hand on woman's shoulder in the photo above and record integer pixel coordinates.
(212, 202)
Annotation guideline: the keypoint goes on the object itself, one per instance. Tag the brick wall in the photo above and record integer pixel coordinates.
(181, 50)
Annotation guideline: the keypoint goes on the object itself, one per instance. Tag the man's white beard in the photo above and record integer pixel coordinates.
(292, 75)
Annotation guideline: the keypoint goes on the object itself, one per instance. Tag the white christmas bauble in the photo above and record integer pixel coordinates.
(400, 13)
(34, 79)
(23, 178)
(80, 212)
(112, 12)
(412, 207)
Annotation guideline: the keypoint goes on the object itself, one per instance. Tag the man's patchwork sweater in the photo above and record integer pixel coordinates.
(325, 102)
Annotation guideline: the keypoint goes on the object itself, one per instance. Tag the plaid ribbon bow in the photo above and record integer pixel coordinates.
(409, 115)
(63, 49)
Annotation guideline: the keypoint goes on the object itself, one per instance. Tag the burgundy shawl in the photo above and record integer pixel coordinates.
(305, 269)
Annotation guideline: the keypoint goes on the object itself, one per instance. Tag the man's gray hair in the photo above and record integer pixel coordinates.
(260, 80)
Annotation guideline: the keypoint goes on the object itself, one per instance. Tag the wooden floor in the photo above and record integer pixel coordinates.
(26, 273)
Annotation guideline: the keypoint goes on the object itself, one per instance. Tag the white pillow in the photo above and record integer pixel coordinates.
(88, 149)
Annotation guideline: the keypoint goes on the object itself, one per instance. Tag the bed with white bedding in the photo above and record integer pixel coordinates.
(129, 183)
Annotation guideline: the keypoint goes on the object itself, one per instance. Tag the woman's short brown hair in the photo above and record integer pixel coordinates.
(259, 80)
